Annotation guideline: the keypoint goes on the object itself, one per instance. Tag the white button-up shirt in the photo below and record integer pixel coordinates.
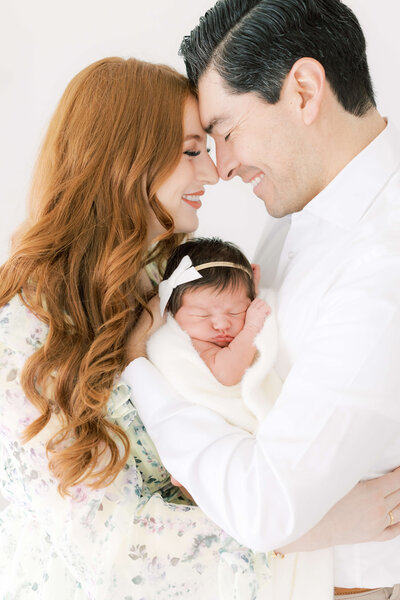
(336, 268)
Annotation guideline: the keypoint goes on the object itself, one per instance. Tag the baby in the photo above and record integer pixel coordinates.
(217, 347)
(214, 303)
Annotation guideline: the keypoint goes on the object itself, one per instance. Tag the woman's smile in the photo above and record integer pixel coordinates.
(193, 199)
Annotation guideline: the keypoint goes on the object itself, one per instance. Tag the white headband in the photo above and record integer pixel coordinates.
(186, 272)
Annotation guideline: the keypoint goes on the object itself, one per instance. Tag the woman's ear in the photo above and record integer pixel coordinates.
(256, 275)
(306, 84)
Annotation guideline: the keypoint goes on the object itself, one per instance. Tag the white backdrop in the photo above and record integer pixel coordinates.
(46, 42)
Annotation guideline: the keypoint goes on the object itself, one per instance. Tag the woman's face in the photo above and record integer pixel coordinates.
(181, 193)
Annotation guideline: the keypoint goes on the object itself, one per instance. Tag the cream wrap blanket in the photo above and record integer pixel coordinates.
(301, 575)
(245, 404)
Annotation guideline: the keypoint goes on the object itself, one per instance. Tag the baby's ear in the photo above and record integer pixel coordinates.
(256, 274)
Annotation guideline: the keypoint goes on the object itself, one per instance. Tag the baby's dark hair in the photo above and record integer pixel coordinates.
(204, 250)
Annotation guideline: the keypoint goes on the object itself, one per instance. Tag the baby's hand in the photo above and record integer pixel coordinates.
(256, 315)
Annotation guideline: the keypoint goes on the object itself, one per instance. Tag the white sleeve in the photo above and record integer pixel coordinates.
(337, 414)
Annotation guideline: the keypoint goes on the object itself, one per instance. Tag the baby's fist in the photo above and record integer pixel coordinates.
(256, 314)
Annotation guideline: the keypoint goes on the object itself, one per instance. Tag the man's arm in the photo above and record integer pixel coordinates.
(336, 416)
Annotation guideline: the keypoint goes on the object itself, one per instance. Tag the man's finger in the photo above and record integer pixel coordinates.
(393, 500)
(389, 483)
(389, 533)
(393, 516)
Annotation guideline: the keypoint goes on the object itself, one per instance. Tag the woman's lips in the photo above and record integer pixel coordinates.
(193, 199)
(194, 203)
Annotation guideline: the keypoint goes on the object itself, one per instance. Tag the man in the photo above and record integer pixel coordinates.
(284, 90)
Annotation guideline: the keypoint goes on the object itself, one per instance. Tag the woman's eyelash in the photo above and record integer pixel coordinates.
(195, 152)
(227, 137)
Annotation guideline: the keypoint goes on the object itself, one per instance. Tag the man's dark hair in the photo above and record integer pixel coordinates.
(204, 250)
(253, 44)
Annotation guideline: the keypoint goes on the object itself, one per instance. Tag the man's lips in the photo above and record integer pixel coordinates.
(255, 179)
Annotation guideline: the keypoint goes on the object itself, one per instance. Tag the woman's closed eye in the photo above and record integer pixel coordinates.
(195, 152)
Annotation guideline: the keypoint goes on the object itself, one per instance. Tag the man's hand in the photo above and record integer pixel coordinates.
(361, 516)
(256, 276)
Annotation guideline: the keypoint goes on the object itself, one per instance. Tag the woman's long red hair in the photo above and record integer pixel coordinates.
(77, 261)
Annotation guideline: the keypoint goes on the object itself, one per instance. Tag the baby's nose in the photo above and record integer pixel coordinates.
(221, 322)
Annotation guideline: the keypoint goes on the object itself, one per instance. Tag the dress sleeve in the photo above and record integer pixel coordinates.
(132, 539)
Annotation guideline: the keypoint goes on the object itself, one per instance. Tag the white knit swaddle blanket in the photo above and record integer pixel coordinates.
(170, 349)
(299, 576)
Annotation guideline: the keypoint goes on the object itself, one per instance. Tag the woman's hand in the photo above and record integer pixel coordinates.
(183, 490)
(257, 276)
(363, 515)
(144, 328)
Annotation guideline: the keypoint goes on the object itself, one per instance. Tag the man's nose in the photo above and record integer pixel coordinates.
(227, 164)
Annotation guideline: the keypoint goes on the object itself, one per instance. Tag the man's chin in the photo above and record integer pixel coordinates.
(275, 209)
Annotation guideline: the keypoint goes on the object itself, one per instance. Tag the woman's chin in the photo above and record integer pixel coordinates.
(187, 227)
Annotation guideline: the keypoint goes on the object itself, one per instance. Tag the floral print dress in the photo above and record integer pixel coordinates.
(136, 539)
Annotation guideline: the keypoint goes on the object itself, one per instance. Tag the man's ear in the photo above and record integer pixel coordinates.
(306, 83)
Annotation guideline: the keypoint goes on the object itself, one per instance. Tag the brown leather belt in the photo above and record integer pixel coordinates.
(343, 591)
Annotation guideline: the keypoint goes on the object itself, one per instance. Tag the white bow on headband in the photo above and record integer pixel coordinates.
(183, 273)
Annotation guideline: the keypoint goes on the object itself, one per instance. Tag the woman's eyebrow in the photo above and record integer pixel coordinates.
(193, 136)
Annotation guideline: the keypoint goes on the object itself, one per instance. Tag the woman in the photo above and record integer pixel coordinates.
(92, 511)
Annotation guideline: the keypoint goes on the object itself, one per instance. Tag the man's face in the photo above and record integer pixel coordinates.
(264, 144)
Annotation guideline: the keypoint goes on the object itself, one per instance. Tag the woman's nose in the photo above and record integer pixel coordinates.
(207, 171)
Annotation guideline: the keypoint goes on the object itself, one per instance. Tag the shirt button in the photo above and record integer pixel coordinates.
(291, 255)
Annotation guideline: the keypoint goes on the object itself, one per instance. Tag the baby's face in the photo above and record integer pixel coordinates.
(213, 316)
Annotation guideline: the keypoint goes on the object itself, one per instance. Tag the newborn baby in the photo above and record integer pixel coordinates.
(216, 329)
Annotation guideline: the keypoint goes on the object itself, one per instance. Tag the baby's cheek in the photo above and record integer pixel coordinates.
(242, 322)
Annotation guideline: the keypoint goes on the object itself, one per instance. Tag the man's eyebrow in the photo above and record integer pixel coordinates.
(214, 123)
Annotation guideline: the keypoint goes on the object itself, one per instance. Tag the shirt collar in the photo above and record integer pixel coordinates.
(348, 196)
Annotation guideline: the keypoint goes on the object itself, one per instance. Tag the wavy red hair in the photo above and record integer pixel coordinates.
(77, 261)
